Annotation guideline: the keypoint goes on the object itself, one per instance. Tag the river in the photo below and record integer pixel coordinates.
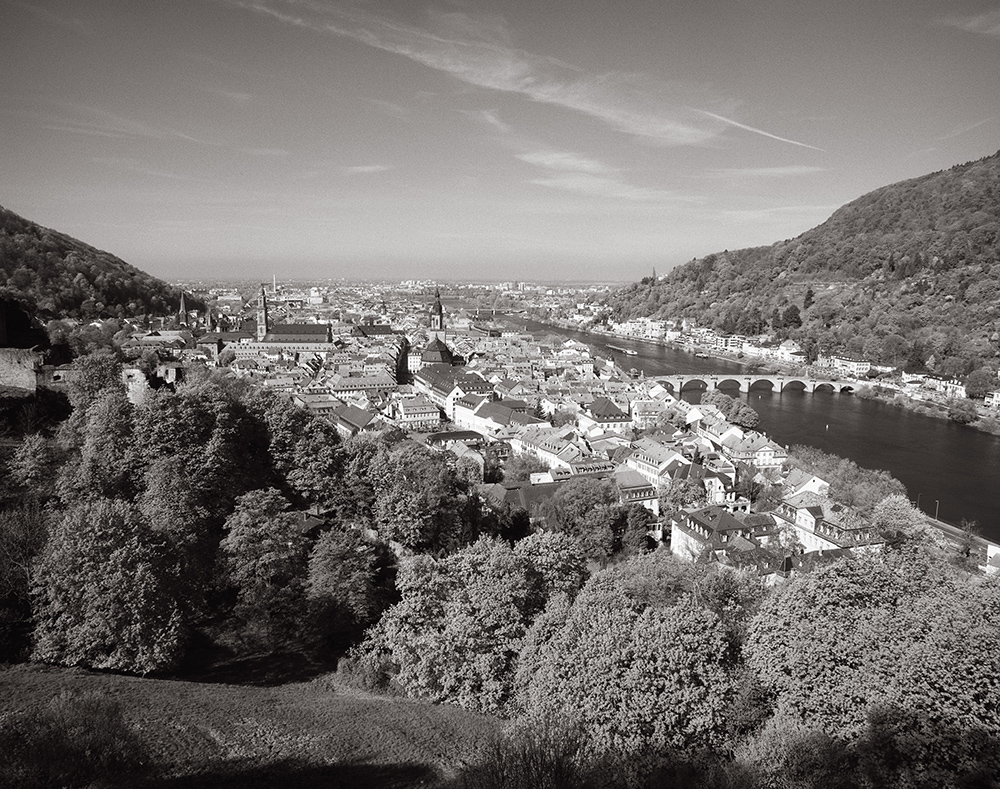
(951, 469)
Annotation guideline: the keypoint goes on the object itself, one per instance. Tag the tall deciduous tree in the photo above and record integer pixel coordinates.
(588, 509)
(635, 671)
(900, 631)
(420, 502)
(265, 557)
(346, 587)
(23, 532)
(456, 633)
(103, 595)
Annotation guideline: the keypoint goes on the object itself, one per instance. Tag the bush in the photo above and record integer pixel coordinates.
(76, 740)
(963, 411)
(558, 756)
(370, 673)
(546, 758)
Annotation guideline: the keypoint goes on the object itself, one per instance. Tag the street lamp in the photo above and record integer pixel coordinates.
(937, 506)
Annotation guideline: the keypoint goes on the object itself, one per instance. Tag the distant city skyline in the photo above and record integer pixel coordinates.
(466, 140)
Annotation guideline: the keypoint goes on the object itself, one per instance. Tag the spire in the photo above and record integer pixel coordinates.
(437, 315)
(182, 311)
(262, 326)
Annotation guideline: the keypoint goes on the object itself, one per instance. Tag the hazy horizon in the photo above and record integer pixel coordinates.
(464, 140)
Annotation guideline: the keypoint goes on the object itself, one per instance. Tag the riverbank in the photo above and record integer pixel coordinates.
(924, 406)
(922, 403)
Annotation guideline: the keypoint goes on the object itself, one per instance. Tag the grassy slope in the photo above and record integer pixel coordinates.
(314, 733)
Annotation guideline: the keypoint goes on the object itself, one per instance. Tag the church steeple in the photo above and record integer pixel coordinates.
(261, 315)
(437, 316)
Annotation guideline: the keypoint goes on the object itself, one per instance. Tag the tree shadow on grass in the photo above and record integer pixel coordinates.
(270, 670)
(290, 773)
(212, 662)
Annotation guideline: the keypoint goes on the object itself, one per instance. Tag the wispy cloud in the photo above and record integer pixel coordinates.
(95, 121)
(597, 186)
(765, 172)
(390, 108)
(271, 152)
(561, 160)
(743, 126)
(570, 172)
(987, 24)
(134, 166)
(367, 168)
(958, 131)
(488, 118)
(235, 97)
(98, 122)
(479, 51)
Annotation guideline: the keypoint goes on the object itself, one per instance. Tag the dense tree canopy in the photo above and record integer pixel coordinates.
(638, 660)
(103, 593)
(57, 276)
(899, 633)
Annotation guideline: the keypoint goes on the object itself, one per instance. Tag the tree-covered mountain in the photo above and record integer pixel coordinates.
(49, 275)
(907, 274)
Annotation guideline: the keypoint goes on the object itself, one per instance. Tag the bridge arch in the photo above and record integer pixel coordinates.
(793, 384)
(694, 382)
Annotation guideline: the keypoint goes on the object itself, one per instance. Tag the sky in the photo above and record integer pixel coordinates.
(474, 140)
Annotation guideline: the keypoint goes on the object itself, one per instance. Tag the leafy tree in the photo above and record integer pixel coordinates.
(420, 502)
(456, 633)
(735, 411)
(264, 555)
(633, 673)
(33, 468)
(171, 504)
(346, 587)
(588, 508)
(519, 468)
(103, 595)
(790, 318)
(23, 532)
(680, 493)
(849, 484)
(106, 466)
(559, 562)
(317, 463)
(980, 383)
(634, 539)
(742, 415)
(900, 631)
(96, 373)
(963, 411)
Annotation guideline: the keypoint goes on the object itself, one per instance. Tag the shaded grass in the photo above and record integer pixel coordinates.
(316, 733)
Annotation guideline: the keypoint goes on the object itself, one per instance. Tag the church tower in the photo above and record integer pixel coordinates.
(437, 317)
(182, 317)
(262, 326)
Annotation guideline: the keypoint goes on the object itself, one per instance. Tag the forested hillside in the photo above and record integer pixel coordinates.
(51, 275)
(907, 274)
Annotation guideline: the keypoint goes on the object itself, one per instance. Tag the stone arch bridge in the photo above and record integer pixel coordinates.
(777, 383)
